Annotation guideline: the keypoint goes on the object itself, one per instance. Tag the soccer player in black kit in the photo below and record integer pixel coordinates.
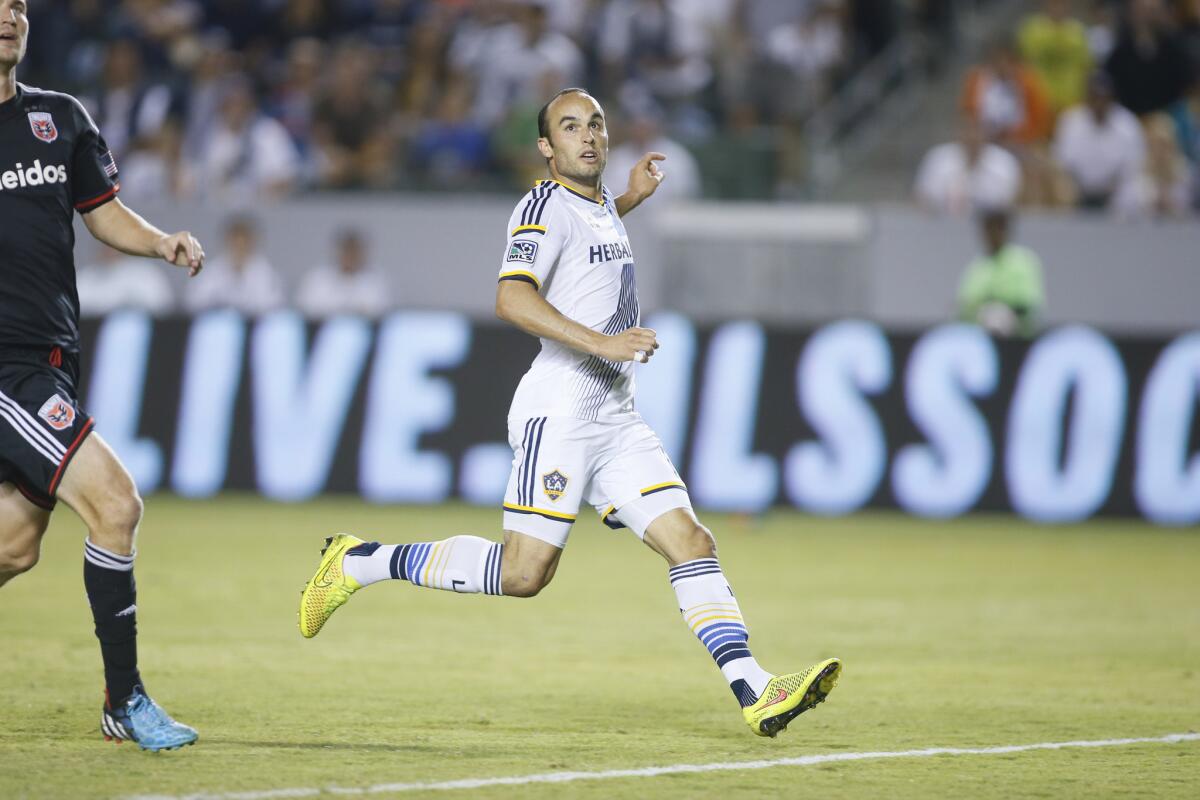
(53, 162)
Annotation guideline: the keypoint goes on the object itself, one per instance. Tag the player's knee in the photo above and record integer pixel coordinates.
(527, 581)
(15, 559)
(526, 584)
(121, 514)
(697, 542)
(689, 542)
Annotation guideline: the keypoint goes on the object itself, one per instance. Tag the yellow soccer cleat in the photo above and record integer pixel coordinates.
(788, 696)
(329, 588)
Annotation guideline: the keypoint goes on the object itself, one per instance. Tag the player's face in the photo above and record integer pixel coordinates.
(14, 30)
(578, 143)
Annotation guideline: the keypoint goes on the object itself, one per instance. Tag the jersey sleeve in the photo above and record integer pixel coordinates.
(94, 178)
(535, 240)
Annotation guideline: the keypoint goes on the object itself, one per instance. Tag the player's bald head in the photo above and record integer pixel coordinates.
(547, 117)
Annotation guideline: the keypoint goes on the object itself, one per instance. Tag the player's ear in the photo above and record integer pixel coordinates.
(544, 148)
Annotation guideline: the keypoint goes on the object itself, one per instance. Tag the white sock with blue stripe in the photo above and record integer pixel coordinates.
(711, 611)
(467, 564)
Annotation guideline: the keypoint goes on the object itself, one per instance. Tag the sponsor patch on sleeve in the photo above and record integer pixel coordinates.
(522, 252)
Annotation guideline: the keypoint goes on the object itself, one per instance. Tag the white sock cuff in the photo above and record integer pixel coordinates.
(106, 559)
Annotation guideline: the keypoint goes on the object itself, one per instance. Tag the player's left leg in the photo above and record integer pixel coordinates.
(22, 525)
(645, 494)
(710, 609)
(99, 489)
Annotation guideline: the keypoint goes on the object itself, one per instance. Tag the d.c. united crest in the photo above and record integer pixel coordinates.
(58, 413)
(555, 483)
(43, 126)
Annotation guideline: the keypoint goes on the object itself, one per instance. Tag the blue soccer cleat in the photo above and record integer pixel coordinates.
(143, 721)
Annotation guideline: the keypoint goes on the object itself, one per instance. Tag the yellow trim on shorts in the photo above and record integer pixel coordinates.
(658, 487)
(555, 515)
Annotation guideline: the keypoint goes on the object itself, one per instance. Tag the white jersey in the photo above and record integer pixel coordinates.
(576, 252)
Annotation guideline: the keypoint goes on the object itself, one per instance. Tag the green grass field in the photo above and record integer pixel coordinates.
(978, 632)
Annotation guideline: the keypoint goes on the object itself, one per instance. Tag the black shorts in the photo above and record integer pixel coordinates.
(41, 424)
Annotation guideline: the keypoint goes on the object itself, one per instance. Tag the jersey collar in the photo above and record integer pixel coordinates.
(580, 195)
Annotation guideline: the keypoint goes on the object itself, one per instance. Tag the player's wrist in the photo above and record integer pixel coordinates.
(599, 344)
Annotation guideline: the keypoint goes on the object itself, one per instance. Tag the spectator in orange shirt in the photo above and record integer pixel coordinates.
(1008, 99)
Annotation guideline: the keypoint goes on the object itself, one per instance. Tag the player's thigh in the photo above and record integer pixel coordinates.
(637, 484)
(550, 472)
(22, 525)
(101, 491)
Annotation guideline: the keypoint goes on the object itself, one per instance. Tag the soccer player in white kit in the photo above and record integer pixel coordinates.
(567, 277)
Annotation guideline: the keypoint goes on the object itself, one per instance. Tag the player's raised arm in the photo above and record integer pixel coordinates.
(120, 227)
(644, 180)
(520, 304)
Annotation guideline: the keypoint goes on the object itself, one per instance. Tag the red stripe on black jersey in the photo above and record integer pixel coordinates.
(96, 202)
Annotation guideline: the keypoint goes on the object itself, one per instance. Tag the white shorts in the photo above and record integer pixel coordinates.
(619, 468)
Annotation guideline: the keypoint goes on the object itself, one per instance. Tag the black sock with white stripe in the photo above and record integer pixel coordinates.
(108, 578)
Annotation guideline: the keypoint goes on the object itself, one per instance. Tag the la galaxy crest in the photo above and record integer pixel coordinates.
(43, 126)
(554, 483)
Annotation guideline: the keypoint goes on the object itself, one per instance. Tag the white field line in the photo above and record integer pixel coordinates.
(650, 772)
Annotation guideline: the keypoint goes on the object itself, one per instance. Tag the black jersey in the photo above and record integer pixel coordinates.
(53, 162)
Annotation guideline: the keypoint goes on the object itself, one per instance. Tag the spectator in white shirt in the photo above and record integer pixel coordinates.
(1166, 183)
(964, 176)
(682, 175)
(240, 277)
(115, 281)
(661, 44)
(246, 154)
(349, 286)
(1101, 147)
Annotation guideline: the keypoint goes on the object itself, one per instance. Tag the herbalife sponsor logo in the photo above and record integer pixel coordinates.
(21, 176)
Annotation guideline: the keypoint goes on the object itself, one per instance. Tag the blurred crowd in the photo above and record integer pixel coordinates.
(238, 99)
(241, 276)
(1092, 105)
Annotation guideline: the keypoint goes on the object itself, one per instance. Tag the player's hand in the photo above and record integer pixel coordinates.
(632, 344)
(645, 176)
(182, 250)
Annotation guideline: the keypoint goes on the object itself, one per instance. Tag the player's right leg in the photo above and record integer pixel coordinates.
(98, 488)
(22, 525)
(540, 505)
